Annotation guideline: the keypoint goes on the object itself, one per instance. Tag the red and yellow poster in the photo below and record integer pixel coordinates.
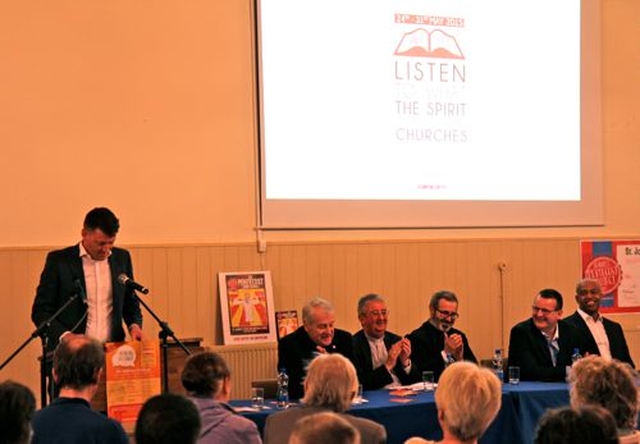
(247, 309)
(616, 266)
(133, 376)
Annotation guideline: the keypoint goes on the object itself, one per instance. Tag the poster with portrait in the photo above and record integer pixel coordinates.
(616, 266)
(246, 304)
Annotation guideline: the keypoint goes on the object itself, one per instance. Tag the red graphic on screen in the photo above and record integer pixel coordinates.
(434, 44)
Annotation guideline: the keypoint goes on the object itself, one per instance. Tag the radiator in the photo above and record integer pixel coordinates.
(248, 363)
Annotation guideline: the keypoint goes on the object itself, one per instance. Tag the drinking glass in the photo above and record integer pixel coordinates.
(514, 375)
(427, 380)
(257, 397)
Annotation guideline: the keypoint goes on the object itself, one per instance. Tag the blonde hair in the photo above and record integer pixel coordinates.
(610, 384)
(331, 382)
(324, 428)
(468, 399)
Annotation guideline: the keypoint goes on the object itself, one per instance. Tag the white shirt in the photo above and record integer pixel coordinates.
(379, 355)
(98, 286)
(599, 334)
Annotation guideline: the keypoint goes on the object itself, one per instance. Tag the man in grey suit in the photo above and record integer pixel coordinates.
(600, 336)
(330, 385)
(89, 269)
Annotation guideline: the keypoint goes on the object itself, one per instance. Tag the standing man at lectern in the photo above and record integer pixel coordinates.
(91, 269)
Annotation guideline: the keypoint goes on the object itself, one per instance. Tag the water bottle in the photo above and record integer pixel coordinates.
(575, 355)
(498, 368)
(282, 395)
(450, 360)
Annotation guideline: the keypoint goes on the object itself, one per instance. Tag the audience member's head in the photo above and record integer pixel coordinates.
(331, 382)
(318, 318)
(206, 374)
(77, 362)
(589, 424)
(609, 384)
(17, 405)
(468, 399)
(373, 315)
(324, 428)
(168, 419)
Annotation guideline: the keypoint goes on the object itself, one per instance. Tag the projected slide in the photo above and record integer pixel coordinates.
(411, 100)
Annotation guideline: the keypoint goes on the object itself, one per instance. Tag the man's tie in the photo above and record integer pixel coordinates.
(555, 349)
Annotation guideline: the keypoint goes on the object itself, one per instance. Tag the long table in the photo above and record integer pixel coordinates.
(522, 406)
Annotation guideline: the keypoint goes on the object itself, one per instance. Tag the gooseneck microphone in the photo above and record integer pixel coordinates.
(80, 290)
(128, 282)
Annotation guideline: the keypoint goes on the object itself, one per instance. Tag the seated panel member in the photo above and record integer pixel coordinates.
(316, 336)
(542, 345)
(601, 336)
(381, 358)
(436, 340)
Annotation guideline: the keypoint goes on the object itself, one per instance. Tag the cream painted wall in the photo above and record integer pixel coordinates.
(148, 107)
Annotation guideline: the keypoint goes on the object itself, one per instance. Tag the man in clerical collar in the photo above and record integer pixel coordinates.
(382, 358)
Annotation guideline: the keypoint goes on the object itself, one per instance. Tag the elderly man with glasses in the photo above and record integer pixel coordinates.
(436, 343)
(601, 336)
(382, 358)
(543, 344)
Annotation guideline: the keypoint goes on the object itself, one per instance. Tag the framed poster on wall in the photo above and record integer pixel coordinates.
(616, 266)
(246, 304)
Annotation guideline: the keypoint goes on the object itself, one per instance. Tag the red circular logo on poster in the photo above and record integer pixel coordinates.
(606, 271)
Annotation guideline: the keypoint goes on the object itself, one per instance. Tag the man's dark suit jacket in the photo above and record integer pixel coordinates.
(296, 350)
(529, 350)
(373, 379)
(62, 269)
(427, 343)
(617, 342)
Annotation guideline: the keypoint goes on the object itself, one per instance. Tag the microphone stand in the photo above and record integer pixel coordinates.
(43, 361)
(165, 332)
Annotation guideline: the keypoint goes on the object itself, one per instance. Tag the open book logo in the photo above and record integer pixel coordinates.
(434, 44)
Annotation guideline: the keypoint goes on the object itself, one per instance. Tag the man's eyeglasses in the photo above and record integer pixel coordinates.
(376, 313)
(545, 311)
(448, 314)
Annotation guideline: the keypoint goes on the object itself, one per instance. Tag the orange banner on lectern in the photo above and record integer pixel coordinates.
(133, 376)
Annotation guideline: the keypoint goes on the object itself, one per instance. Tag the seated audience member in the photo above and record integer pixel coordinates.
(381, 358)
(589, 424)
(436, 342)
(207, 380)
(316, 336)
(468, 398)
(324, 428)
(77, 365)
(600, 336)
(542, 345)
(17, 405)
(330, 387)
(168, 419)
(609, 384)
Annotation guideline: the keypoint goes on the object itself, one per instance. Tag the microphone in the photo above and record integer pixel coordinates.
(127, 281)
(80, 290)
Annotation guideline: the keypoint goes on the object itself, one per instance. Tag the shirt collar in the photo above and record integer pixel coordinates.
(83, 252)
(374, 340)
(588, 318)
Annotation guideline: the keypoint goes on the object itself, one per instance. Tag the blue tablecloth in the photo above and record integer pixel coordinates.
(522, 406)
